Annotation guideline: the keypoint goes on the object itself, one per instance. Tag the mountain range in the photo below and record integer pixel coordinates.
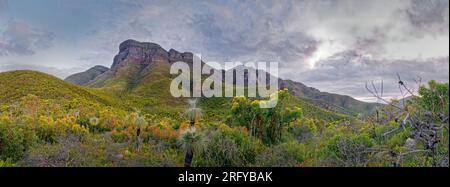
(142, 68)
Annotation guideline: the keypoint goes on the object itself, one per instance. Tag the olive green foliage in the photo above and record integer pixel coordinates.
(289, 154)
(230, 147)
(348, 149)
(434, 97)
(264, 123)
(46, 122)
(191, 140)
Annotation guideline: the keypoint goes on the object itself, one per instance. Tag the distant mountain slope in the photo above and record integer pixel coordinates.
(87, 76)
(142, 70)
(334, 102)
(17, 84)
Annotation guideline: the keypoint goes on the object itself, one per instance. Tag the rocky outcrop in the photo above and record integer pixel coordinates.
(145, 53)
(175, 56)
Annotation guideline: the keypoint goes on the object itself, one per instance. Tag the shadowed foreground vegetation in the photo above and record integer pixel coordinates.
(75, 126)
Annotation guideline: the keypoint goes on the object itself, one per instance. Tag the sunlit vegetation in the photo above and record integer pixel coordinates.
(75, 126)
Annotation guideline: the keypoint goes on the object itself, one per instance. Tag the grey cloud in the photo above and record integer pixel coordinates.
(346, 73)
(20, 39)
(430, 16)
(252, 30)
(60, 73)
(264, 30)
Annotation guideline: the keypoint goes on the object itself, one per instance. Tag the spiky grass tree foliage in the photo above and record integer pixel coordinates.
(93, 122)
(193, 113)
(138, 121)
(191, 141)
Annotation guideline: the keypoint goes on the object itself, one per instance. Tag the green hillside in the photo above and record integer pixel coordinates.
(150, 94)
(17, 84)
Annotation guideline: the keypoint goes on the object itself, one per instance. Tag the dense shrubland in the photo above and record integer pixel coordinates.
(37, 131)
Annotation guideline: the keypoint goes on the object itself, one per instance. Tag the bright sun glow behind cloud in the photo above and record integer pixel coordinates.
(324, 51)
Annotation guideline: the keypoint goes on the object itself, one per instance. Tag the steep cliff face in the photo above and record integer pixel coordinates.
(141, 53)
(145, 53)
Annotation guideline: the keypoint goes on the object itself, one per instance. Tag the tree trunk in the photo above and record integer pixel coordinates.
(138, 139)
(188, 158)
(378, 118)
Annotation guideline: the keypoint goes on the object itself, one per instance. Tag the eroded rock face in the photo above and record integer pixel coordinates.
(143, 53)
(175, 56)
(139, 55)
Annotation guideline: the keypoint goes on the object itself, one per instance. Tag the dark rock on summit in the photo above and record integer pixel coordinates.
(146, 52)
(142, 52)
(175, 56)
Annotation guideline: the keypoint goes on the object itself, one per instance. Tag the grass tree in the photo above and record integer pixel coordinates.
(138, 121)
(191, 141)
(193, 112)
(94, 121)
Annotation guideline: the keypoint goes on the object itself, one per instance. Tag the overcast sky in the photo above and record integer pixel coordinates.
(333, 45)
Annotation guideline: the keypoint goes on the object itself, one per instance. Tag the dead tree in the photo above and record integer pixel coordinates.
(424, 129)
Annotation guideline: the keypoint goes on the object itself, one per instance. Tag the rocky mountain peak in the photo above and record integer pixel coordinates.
(138, 52)
(175, 56)
(128, 44)
(146, 52)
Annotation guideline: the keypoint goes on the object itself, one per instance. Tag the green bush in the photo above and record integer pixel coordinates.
(303, 131)
(48, 133)
(230, 147)
(348, 149)
(434, 97)
(267, 124)
(14, 141)
(120, 137)
(7, 163)
(290, 154)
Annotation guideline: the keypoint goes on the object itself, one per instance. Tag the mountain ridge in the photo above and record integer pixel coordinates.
(86, 76)
(137, 60)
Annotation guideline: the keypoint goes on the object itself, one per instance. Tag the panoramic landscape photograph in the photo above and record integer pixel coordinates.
(235, 83)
